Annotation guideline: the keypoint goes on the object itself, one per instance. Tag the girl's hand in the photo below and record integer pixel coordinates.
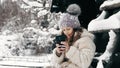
(60, 50)
(67, 47)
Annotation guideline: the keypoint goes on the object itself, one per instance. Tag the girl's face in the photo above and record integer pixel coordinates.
(68, 31)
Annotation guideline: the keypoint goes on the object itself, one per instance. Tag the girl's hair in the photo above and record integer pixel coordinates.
(78, 29)
(74, 37)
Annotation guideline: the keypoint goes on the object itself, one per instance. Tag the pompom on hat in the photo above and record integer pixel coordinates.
(74, 9)
(67, 20)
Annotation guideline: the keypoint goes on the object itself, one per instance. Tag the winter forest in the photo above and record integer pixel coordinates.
(24, 22)
(27, 30)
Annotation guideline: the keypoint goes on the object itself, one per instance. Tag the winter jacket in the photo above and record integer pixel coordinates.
(79, 55)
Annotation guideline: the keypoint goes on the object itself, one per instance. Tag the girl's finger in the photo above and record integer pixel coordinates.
(63, 42)
(57, 45)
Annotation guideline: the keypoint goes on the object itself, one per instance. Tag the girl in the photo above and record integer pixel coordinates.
(79, 48)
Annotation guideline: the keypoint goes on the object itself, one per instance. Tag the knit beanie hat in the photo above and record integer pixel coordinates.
(74, 9)
(68, 20)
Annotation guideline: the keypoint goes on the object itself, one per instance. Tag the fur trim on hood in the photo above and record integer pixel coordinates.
(87, 34)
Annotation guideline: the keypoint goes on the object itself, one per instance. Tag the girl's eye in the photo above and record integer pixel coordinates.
(63, 30)
(68, 29)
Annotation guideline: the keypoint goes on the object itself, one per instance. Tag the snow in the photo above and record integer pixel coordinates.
(42, 12)
(33, 3)
(109, 3)
(9, 40)
(112, 22)
(27, 61)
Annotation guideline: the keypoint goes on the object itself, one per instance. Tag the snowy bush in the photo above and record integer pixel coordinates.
(19, 39)
(10, 45)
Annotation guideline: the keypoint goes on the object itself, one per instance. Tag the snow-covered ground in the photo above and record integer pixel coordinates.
(26, 61)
